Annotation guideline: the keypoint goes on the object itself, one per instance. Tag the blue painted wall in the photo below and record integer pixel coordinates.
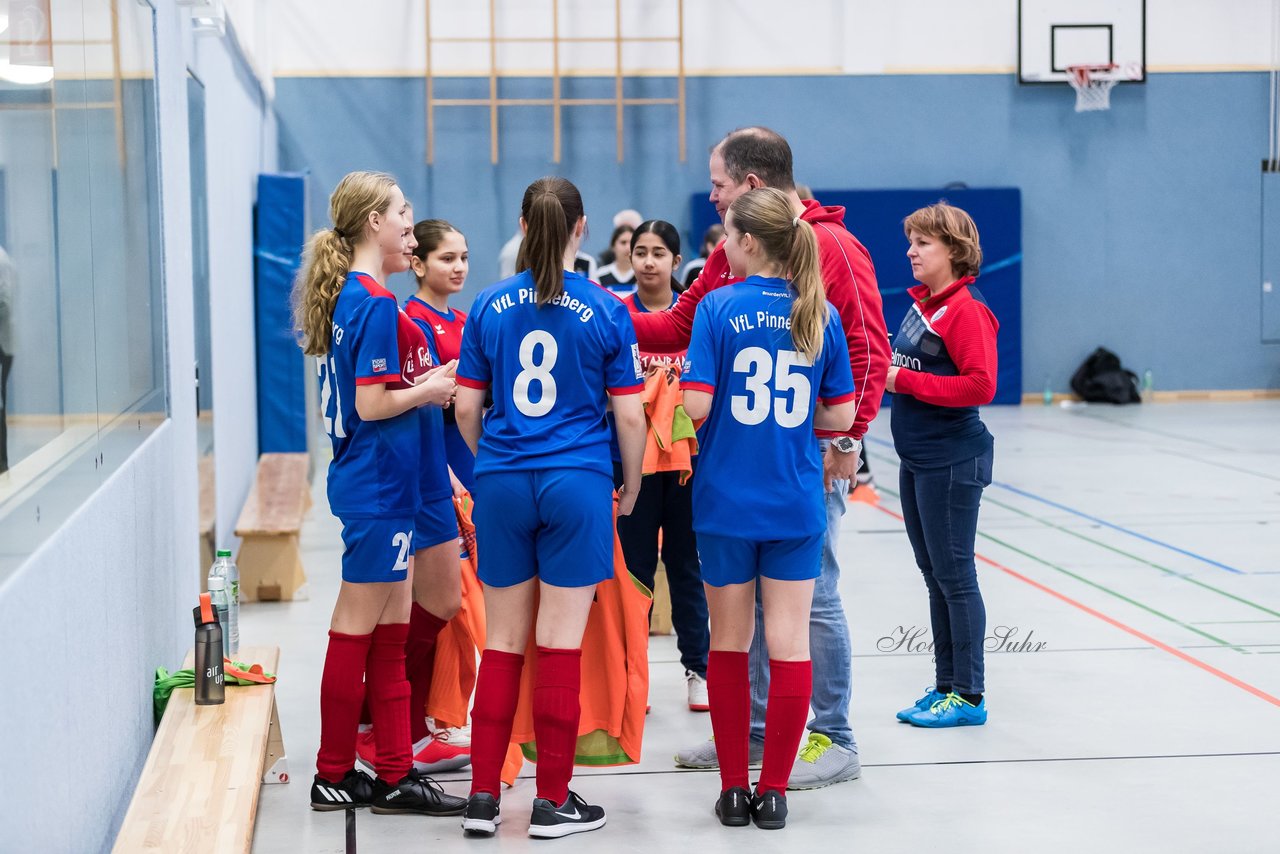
(1141, 226)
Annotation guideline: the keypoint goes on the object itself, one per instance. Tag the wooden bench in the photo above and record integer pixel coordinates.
(269, 561)
(199, 788)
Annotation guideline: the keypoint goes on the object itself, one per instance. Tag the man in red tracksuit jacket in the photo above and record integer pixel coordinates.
(744, 160)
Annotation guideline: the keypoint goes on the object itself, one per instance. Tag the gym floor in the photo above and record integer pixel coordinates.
(1130, 562)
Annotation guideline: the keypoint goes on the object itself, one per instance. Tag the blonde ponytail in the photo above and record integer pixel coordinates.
(328, 254)
(809, 310)
(784, 238)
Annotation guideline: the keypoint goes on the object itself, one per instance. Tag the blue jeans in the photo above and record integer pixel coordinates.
(940, 508)
(829, 646)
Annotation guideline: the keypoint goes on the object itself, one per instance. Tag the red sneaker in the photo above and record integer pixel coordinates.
(432, 755)
(366, 750)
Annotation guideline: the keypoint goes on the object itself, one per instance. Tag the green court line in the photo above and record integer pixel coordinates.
(1117, 550)
(1097, 586)
(1079, 536)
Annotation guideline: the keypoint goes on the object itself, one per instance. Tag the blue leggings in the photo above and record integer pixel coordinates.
(940, 507)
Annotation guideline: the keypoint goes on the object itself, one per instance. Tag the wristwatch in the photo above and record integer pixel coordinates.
(846, 444)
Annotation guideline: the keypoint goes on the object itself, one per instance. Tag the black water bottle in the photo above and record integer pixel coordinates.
(210, 690)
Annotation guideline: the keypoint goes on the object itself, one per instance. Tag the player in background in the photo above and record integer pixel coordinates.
(555, 349)
(618, 275)
(664, 505)
(440, 263)
(944, 368)
(372, 381)
(767, 364)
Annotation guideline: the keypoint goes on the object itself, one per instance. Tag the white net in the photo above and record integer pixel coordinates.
(1093, 85)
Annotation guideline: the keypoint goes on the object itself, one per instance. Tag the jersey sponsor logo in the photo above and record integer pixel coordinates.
(379, 365)
(902, 360)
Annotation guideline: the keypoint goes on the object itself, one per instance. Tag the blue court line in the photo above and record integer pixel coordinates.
(1102, 522)
(1119, 528)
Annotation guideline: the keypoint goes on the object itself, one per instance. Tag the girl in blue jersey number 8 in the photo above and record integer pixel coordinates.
(371, 385)
(555, 348)
(767, 364)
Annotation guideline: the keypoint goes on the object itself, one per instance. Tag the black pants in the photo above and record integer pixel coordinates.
(663, 504)
(6, 364)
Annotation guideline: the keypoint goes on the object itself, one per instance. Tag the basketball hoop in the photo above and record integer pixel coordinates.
(1093, 83)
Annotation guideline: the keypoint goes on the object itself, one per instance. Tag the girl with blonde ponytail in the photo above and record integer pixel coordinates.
(767, 364)
(374, 374)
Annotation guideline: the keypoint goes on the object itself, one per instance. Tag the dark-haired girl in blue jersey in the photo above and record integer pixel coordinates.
(767, 364)
(555, 349)
(372, 379)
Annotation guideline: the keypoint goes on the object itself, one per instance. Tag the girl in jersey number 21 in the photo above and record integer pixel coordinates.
(762, 354)
(372, 382)
(555, 348)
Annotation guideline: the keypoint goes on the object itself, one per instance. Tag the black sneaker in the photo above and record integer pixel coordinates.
(482, 816)
(415, 793)
(768, 811)
(734, 807)
(355, 790)
(573, 816)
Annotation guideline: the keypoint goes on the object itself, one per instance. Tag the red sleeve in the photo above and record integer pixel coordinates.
(850, 280)
(668, 331)
(971, 341)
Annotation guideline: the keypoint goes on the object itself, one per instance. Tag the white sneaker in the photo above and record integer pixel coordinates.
(457, 736)
(697, 692)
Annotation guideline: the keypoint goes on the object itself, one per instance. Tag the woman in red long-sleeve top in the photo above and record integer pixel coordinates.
(944, 368)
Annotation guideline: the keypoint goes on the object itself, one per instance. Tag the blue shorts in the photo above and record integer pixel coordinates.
(733, 560)
(555, 524)
(376, 550)
(435, 523)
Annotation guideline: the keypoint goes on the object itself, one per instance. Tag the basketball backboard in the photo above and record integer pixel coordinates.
(1055, 34)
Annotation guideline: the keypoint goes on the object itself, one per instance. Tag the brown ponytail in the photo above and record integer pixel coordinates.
(551, 208)
(765, 213)
(327, 257)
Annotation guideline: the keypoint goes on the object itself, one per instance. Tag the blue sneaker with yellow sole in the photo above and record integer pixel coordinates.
(951, 710)
(931, 696)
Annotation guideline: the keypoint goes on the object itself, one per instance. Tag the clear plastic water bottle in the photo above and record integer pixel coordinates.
(1148, 389)
(1048, 392)
(224, 567)
(218, 599)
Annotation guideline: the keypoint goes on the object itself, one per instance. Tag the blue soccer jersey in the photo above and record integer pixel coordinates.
(759, 471)
(374, 473)
(550, 369)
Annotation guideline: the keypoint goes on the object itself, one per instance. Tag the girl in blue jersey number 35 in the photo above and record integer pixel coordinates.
(371, 384)
(767, 364)
(555, 348)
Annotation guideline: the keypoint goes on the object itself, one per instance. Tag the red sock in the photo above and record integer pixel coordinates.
(790, 684)
(556, 709)
(389, 701)
(497, 692)
(341, 693)
(729, 695)
(419, 665)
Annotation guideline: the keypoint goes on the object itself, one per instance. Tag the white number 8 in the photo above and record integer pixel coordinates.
(539, 372)
(754, 407)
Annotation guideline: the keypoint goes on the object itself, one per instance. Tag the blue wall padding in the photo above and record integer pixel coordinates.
(875, 218)
(280, 230)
